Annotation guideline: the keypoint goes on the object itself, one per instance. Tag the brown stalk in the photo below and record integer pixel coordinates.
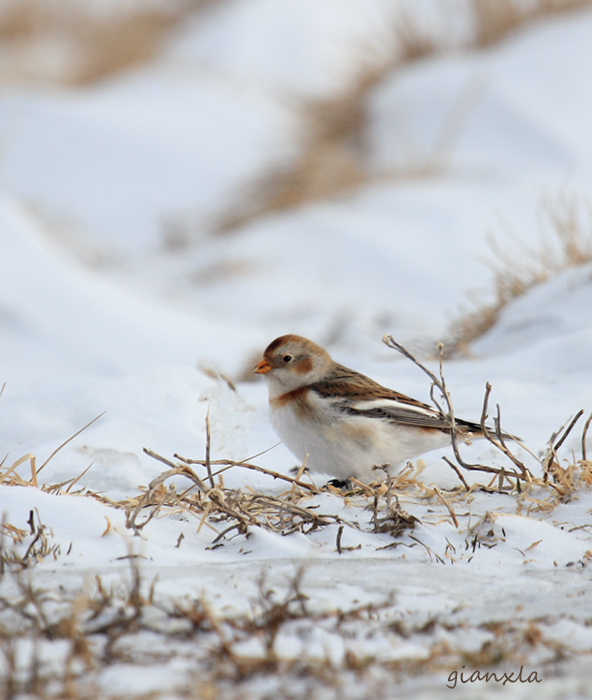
(207, 460)
(550, 461)
(10, 470)
(76, 434)
(499, 443)
(447, 415)
(229, 464)
(584, 434)
(448, 507)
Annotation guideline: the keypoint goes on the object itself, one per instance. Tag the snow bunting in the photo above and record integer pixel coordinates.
(342, 421)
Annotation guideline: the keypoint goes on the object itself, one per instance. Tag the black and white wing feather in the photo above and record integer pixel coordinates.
(355, 394)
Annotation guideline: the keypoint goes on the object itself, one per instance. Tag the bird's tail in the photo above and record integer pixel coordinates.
(476, 431)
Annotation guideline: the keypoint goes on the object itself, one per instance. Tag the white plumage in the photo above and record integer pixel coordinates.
(342, 421)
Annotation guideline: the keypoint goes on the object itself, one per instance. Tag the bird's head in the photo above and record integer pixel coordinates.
(290, 362)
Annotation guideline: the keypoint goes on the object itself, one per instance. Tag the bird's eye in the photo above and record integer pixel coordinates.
(287, 358)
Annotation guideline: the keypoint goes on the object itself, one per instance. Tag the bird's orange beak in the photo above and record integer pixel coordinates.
(263, 367)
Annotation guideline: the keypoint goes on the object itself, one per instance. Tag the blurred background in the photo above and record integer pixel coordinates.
(331, 168)
(182, 181)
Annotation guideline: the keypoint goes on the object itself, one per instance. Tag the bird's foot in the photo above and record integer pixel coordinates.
(338, 484)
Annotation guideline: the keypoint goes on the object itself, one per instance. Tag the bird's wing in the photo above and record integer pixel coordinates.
(356, 394)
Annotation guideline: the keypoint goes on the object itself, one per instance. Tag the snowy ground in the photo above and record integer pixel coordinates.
(99, 316)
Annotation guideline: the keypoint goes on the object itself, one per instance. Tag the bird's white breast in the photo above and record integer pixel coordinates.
(345, 445)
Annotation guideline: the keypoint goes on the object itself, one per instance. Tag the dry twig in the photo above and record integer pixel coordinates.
(496, 438)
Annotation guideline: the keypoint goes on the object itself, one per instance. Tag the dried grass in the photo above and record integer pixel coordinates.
(520, 268)
(331, 157)
(495, 19)
(79, 43)
(38, 541)
(90, 45)
(332, 154)
(231, 652)
(329, 161)
(563, 482)
(235, 512)
(131, 624)
(285, 513)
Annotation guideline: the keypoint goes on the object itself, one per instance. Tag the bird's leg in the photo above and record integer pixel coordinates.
(338, 484)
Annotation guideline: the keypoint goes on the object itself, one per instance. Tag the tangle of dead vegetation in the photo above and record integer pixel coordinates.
(520, 268)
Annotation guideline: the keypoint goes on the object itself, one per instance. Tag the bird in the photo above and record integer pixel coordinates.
(343, 423)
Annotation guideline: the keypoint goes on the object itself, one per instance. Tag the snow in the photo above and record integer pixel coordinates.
(98, 317)
(100, 163)
(315, 48)
(560, 310)
(512, 110)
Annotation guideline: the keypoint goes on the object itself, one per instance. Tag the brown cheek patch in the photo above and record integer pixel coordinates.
(303, 366)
